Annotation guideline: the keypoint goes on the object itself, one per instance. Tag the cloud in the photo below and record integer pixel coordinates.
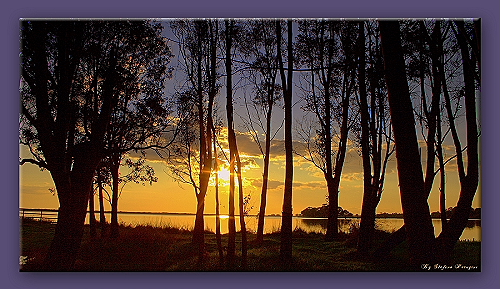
(279, 185)
(37, 189)
(352, 177)
(271, 184)
(310, 185)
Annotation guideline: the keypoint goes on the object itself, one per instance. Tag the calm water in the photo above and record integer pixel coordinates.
(272, 223)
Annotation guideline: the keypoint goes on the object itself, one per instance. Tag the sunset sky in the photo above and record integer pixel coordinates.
(309, 187)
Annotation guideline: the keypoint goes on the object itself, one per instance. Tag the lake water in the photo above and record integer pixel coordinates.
(273, 223)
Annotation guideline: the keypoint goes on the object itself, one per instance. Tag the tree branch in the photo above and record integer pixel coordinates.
(41, 164)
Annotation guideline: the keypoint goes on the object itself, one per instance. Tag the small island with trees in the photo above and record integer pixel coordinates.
(322, 212)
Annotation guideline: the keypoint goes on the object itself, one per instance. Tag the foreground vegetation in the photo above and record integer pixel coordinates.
(150, 248)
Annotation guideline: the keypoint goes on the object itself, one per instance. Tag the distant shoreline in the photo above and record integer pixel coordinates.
(379, 216)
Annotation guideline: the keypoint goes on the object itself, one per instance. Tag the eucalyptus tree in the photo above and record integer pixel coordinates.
(73, 76)
(467, 38)
(416, 211)
(420, 51)
(142, 119)
(198, 46)
(257, 44)
(101, 178)
(287, 86)
(449, 72)
(376, 133)
(138, 172)
(327, 49)
(218, 235)
(234, 157)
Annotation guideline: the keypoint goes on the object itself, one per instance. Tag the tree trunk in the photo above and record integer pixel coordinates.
(332, 225)
(64, 248)
(73, 195)
(367, 223)
(244, 245)
(468, 182)
(92, 220)
(231, 247)
(334, 183)
(102, 216)
(287, 213)
(199, 223)
(218, 235)
(370, 202)
(198, 234)
(442, 174)
(416, 214)
(265, 176)
(115, 174)
(433, 124)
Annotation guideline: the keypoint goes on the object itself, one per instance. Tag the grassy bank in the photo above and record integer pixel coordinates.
(148, 248)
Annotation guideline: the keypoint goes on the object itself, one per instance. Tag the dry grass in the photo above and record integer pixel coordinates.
(166, 248)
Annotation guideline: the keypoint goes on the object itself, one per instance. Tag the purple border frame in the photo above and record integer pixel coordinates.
(488, 10)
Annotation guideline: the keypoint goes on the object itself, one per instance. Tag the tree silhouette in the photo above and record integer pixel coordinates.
(467, 39)
(325, 48)
(72, 79)
(375, 132)
(258, 44)
(139, 173)
(194, 157)
(231, 32)
(287, 84)
(416, 214)
(443, 74)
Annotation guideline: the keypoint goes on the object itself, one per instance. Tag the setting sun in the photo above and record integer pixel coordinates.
(224, 174)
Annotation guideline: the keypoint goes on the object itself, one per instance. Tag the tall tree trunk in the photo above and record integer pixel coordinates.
(244, 245)
(442, 174)
(231, 247)
(433, 114)
(115, 175)
(199, 223)
(334, 183)
(218, 235)
(368, 210)
(439, 147)
(468, 181)
(265, 175)
(102, 216)
(416, 213)
(433, 121)
(198, 235)
(73, 192)
(205, 139)
(449, 236)
(333, 204)
(286, 82)
(64, 248)
(92, 220)
(231, 243)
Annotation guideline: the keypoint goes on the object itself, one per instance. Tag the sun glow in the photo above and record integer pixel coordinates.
(224, 174)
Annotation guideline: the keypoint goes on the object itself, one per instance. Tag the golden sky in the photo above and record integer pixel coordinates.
(309, 188)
